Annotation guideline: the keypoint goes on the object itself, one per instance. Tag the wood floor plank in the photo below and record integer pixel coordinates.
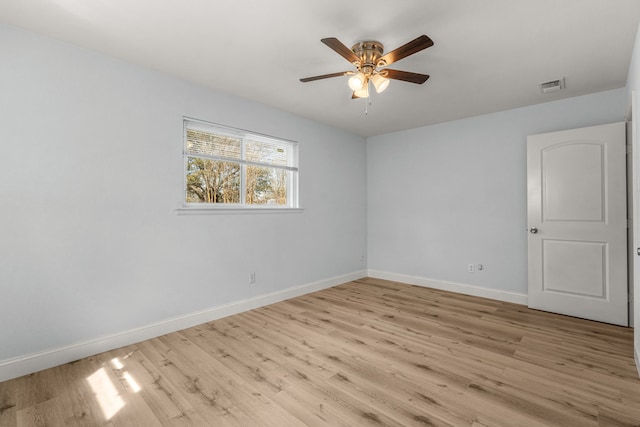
(368, 353)
(163, 398)
(212, 389)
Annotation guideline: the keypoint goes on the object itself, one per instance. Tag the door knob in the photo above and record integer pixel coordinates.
(533, 230)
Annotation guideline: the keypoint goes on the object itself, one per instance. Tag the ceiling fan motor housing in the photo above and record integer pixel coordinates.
(369, 53)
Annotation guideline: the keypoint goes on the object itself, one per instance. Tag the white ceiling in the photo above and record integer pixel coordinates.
(489, 55)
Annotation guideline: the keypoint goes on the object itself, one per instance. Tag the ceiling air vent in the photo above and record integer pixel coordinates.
(552, 86)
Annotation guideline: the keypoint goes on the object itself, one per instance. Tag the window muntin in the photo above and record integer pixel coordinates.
(226, 167)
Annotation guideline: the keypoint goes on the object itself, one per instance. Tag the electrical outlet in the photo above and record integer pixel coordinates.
(252, 278)
(471, 268)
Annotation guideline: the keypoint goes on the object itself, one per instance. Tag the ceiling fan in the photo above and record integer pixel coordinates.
(368, 58)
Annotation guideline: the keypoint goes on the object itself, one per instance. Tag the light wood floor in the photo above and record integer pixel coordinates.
(369, 352)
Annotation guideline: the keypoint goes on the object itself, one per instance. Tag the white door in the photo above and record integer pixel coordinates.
(577, 222)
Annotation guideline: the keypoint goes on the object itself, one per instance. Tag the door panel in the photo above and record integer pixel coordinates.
(577, 212)
(573, 190)
(576, 268)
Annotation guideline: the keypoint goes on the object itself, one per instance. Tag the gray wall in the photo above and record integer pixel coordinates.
(444, 196)
(91, 173)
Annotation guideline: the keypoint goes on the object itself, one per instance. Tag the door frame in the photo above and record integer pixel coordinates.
(634, 278)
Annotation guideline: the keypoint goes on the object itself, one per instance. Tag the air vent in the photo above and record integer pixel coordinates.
(552, 86)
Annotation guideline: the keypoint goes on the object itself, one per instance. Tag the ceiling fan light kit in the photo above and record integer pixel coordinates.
(361, 93)
(369, 60)
(379, 82)
(356, 82)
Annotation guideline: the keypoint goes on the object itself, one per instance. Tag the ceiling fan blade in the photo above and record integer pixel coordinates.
(325, 76)
(414, 46)
(405, 76)
(341, 49)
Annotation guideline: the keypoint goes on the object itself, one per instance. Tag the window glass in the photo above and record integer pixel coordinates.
(229, 167)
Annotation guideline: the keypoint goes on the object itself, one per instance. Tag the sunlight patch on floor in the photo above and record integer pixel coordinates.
(132, 383)
(118, 365)
(106, 394)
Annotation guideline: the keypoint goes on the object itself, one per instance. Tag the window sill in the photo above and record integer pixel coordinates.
(235, 211)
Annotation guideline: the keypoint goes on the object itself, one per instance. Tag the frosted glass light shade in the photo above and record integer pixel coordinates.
(380, 83)
(356, 81)
(362, 93)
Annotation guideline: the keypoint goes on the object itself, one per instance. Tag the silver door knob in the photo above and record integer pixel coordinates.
(533, 230)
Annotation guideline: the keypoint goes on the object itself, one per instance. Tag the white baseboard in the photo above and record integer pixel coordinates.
(23, 365)
(636, 353)
(460, 288)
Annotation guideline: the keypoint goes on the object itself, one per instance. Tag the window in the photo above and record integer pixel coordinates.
(231, 168)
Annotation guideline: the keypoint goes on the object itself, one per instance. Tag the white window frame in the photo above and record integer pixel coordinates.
(242, 207)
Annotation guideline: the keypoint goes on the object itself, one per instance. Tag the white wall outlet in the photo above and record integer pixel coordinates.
(471, 268)
(252, 278)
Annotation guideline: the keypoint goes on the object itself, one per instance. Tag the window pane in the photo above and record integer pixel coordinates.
(266, 186)
(212, 181)
(267, 152)
(236, 167)
(209, 144)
